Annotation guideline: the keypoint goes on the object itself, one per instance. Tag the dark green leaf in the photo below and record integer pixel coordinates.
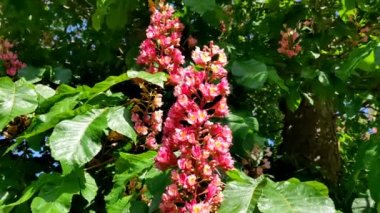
(61, 75)
(31, 74)
(251, 74)
(200, 6)
(347, 68)
(275, 78)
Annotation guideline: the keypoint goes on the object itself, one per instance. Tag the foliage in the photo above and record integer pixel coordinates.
(68, 141)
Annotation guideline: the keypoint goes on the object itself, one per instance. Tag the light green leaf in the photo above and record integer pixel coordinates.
(16, 99)
(119, 121)
(75, 142)
(363, 205)
(241, 195)
(44, 92)
(251, 74)
(120, 206)
(292, 196)
(157, 78)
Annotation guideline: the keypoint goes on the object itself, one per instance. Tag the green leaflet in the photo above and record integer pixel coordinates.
(75, 142)
(119, 120)
(16, 99)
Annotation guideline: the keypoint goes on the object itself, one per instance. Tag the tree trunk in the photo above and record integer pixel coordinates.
(309, 139)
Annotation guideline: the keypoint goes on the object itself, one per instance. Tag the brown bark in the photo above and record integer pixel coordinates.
(309, 139)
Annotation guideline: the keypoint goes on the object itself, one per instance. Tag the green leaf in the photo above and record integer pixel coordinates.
(377, 54)
(61, 75)
(293, 100)
(363, 205)
(374, 175)
(31, 74)
(127, 167)
(348, 9)
(309, 73)
(122, 205)
(244, 129)
(63, 91)
(16, 99)
(157, 78)
(56, 194)
(251, 74)
(152, 177)
(347, 68)
(200, 6)
(108, 83)
(44, 92)
(275, 78)
(241, 195)
(75, 142)
(119, 121)
(322, 78)
(60, 111)
(26, 195)
(293, 196)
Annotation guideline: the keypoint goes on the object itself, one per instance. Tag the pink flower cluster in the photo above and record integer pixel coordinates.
(9, 58)
(288, 44)
(192, 146)
(158, 53)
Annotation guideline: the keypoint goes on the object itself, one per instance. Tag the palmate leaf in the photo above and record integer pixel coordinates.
(75, 142)
(16, 99)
